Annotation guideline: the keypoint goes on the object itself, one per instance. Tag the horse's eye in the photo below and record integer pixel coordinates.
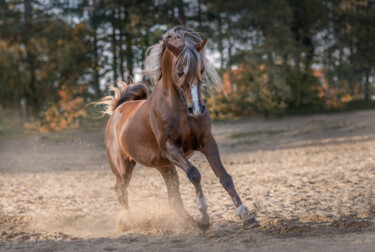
(180, 74)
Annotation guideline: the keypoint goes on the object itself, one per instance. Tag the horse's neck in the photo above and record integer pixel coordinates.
(168, 93)
(167, 101)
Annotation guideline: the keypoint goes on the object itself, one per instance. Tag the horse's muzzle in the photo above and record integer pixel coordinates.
(196, 113)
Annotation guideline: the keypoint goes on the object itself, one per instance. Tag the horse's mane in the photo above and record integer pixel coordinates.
(154, 54)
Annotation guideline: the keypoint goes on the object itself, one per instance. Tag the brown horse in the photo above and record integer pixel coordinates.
(164, 129)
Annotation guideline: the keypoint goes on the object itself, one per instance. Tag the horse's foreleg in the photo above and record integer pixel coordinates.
(171, 180)
(211, 151)
(175, 155)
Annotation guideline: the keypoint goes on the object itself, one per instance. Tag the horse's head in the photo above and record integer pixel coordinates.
(188, 67)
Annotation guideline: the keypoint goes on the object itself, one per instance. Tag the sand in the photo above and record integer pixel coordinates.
(309, 180)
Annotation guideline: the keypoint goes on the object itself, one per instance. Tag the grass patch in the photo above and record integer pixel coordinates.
(255, 133)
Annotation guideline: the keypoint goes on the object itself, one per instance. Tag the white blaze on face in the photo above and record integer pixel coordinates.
(194, 94)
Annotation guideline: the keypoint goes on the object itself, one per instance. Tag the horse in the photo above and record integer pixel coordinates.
(164, 129)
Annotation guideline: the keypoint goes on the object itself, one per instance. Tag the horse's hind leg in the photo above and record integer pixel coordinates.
(122, 183)
(123, 174)
(171, 179)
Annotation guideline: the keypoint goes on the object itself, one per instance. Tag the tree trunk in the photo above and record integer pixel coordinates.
(220, 43)
(129, 51)
(31, 96)
(285, 60)
(367, 85)
(230, 53)
(199, 13)
(298, 59)
(96, 64)
(129, 56)
(114, 45)
(96, 84)
(121, 43)
(353, 72)
(309, 58)
(181, 14)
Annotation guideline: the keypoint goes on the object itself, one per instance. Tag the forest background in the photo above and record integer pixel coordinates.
(275, 57)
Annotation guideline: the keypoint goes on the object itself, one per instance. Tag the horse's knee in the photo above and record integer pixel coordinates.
(193, 175)
(227, 182)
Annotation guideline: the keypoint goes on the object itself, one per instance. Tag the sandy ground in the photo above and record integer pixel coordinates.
(309, 180)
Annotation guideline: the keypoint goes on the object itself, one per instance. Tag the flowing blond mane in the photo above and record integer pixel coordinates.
(153, 62)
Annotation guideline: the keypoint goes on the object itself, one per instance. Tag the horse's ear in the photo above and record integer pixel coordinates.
(176, 51)
(201, 45)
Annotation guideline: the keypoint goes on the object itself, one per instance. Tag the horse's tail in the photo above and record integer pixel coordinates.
(122, 94)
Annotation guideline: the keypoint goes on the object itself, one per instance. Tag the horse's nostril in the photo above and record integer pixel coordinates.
(203, 108)
(190, 110)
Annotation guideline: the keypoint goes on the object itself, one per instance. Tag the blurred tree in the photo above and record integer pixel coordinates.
(349, 58)
(362, 32)
(43, 52)
(87, 45)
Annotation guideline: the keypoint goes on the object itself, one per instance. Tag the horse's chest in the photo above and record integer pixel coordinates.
(185, 136)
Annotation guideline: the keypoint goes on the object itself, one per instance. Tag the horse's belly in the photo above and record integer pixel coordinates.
(147, 156)
(154, 159)
(142, 147)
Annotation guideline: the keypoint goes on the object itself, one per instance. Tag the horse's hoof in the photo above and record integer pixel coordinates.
(203, 226)
(203, 221)
(123, 222)
(122, 227)
(203, 218)
(251, 223)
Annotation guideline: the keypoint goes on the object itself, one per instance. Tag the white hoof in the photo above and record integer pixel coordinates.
(248, 220)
